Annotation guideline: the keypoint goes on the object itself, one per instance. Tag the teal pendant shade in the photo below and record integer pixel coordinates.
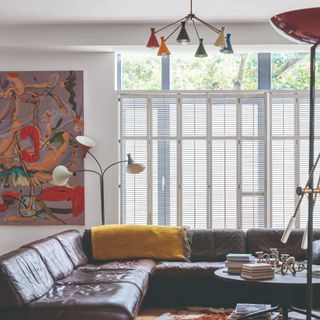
(183, 37)
(130, 160)
(228, 48)
(201, 51)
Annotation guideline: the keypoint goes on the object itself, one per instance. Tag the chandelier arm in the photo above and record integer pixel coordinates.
(171, 24)
(208, 25)
(174, 30)
(195, 28)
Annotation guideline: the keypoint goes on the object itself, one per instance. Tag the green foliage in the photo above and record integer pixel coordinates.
(141, 72)
(290, 70)
(217, 72)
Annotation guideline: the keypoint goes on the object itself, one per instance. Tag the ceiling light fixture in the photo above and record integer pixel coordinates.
(223, 41)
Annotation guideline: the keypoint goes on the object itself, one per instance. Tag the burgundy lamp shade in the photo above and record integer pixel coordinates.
(302, 25)
(153, 41)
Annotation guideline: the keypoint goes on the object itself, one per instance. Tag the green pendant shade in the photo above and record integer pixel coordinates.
(201, 51)
(183, 37)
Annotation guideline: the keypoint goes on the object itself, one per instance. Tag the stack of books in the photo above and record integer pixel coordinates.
(236, 260)
(243, 309)
(257, 271)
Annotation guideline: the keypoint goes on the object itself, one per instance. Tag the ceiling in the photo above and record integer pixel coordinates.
(139, 11)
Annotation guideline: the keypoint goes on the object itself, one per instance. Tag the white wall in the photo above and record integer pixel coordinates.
(100, 111)
(108, 36)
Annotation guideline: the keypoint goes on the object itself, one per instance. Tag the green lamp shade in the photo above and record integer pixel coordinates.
(201, 51)
(61, 175)
(132, 167)
(183, 37)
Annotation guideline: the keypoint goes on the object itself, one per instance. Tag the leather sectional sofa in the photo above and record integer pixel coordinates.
(55, 278)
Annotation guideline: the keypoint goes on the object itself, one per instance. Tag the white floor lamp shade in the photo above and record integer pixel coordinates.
(61, 175)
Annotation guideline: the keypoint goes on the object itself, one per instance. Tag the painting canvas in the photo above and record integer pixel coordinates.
(41, 113)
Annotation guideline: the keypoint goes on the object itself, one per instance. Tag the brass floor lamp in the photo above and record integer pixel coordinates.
(304, 26)
(61, 174)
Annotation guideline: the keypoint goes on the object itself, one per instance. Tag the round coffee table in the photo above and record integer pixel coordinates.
(283, 284)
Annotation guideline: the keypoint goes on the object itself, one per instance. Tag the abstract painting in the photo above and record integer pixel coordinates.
(41, 113)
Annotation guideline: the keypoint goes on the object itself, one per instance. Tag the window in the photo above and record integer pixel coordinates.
(140, 72)
(207, 164)
(184, 72)
(217, 72)
(291, 70)
(205, 160)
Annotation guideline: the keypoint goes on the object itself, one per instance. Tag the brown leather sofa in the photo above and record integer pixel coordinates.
(55, 278)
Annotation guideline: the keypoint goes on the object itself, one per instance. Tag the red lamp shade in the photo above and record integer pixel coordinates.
(163, 50)
(302, 25)
(153, 41)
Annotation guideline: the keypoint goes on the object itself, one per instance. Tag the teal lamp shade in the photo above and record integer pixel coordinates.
(228, 48)
(61, 175)
(201, 51)
(183, 37)
(132, 167)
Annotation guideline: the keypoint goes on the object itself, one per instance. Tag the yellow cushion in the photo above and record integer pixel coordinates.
(112, 242)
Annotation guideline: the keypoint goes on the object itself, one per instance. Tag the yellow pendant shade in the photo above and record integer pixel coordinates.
(163, 50)
(221, 40)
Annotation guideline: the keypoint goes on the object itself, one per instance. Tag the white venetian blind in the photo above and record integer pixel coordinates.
(253, 161)
(164, 160)
(304, 155)
(283, 159)
(224, 162)
(194, 162)
(134, 126)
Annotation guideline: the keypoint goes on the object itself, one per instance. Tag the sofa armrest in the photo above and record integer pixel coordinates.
(316, 252)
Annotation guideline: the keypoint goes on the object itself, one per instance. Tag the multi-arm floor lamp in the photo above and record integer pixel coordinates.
(304, 26)
(61, 174)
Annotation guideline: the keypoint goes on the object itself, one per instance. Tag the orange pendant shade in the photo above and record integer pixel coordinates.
(153, 41)
(163, 50)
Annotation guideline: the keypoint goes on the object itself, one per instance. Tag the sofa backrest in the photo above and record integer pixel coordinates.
(262, 239)
(71, 242)
(215, 244)
(54, 257)
(23, 278)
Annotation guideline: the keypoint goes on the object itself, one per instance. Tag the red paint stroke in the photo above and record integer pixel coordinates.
(33, 132)
(76, 196)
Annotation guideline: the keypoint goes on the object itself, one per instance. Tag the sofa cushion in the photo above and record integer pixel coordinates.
(125, 242)
(141, 264)
(135, 272)
(215, 244)
(72, 244)
(27, 276)
(113, 301)
(263, 239)
(185, 270)
(54, 257)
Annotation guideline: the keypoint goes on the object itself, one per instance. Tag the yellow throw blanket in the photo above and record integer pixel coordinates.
(113, 242)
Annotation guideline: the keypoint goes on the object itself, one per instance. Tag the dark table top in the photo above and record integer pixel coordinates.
(300, 279)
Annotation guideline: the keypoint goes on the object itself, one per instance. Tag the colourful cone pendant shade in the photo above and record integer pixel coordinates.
(228, 48)
(201, 51)
(163, 50)
(221, 40)
(183, 37)
(153, 41)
